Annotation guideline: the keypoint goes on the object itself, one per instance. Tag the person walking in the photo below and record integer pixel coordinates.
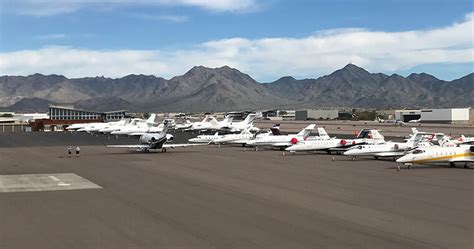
(78, 151)
(69, 151)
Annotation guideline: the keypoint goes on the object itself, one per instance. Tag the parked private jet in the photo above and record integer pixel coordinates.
(281, 141)
(324, 143)
(387, 149)
(154, 141)
(205, 138)
(138, 126)
(463, 154)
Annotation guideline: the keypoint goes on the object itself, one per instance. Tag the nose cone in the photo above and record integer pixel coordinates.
(350, 153)
(403, 159)
(293, 148)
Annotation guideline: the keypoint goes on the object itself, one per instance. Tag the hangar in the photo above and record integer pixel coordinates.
(447, 115)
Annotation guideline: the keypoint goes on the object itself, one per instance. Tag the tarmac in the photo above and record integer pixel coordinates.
(227, 197)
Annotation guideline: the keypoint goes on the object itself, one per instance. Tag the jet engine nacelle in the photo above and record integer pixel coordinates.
(169, 137)
(149, 138)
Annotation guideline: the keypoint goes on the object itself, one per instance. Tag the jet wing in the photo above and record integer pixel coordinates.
(282, 144)
(461, 160)
(172, 146)
(390, 154)
(135, 146)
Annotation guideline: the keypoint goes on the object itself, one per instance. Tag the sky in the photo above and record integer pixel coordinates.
(266, 39)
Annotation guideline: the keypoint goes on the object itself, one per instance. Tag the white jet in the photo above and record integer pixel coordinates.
(323, 143)
(387, 149)
(154, 141)
(282, 141)
(114, 126)
(209, 123)
(246, 124)
(186, 125)
(239, 138)
(246, 136)
(463, 154)
(205, 138)
(138, 126)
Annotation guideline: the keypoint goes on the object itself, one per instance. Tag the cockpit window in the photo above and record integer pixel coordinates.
(418, 151)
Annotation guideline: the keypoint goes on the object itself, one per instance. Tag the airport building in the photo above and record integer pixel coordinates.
(315, 114)
(449, 115)
(69, 113)
(407, 115)
(278, 115)
(63, 116)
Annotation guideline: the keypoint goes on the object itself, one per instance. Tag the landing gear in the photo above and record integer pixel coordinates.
(329, 152)
(465, 166)
(398, 168)
(353, 158)
(452, 165)
(376, 157)
(256, 148)
(163, 149)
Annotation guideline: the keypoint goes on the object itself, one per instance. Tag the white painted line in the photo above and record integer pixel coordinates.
(64, 184)
(54, 178)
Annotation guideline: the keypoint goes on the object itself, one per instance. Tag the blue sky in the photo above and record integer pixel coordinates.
(267, 39)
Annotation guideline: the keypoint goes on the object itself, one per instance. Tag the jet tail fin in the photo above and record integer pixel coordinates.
(214, 121)
(322, 133)
(151, 119)
(306, 131)
(377, 136)
(249, 119)
(228, 119)
(166, 125)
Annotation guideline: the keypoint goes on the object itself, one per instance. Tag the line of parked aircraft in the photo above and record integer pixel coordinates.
(419, 148)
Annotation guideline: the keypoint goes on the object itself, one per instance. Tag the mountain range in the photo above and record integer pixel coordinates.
(226, 89)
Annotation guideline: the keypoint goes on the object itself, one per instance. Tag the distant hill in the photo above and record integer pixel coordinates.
(30, 105)
(225, 88)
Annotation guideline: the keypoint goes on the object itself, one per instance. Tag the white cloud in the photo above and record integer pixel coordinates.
(41, 8)
(264, 59)
(50, 36)
(167, 18)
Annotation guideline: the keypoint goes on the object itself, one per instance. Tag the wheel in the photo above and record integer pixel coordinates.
(256, 149)
(329, 152)
(452, 165)
(353, 158)
(376, 157)
(163, 149)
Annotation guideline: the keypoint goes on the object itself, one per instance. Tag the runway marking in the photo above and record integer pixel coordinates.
(54, 178)
(44, 182)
